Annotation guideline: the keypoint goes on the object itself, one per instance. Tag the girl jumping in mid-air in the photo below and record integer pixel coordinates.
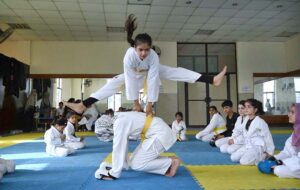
(143, 70)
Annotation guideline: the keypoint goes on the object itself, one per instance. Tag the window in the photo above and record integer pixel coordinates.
(268, 95)
(58, 90)
(197, 63)
(114, 102)
(297, 89)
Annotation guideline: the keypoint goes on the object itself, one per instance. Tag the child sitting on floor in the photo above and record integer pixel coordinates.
(179, 127)
(54, 139)
(71, 140)
(215, 126)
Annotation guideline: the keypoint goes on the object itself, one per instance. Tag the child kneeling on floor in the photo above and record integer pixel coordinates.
(156, 138)
(54, 139)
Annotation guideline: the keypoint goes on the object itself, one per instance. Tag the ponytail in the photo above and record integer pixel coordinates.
(130, 27)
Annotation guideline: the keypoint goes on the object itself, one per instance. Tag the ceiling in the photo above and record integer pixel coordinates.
(164, 20)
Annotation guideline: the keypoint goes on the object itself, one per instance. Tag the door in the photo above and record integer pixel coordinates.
(194, 99)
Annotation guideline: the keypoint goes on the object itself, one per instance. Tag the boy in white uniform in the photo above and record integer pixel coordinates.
(146, 157)
(71, 140)
(179, 127)
(215, 126)
(54, 139)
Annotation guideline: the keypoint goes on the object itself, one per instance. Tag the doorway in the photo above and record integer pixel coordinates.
(206, 58)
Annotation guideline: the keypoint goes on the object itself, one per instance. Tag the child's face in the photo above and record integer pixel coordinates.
(143, 50)
(60, 128)
(61, 105)
(211, 112)
(292, 115)
(72, 119)
(250, 110)
(178, 118)
(241, 110)
(227, 110)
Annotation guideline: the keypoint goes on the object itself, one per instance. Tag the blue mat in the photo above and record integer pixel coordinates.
(38, 171)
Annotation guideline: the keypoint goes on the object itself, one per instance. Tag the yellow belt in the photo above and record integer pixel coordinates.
(146, 127)
(219, 128)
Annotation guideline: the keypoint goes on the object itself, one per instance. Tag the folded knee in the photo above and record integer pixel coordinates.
(278, 171)
(223, 149)
(234, 158)
(136, 164)
(245, 161)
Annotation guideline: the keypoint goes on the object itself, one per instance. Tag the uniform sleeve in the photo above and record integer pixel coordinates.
(237, 133)
(69, 135)
(210, 127)
(52, 139)
(153, 80)
(270, 147)
(183, 125)
(131, 82)
(174, 127)
(285, 153)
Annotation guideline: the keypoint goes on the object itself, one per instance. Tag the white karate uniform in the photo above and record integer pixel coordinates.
(290, 156)
(237, 136)
(6, 166)
(135, 71)
(146, 156)
(72, 141)
(216, 126)
(91, 114)
(165, 72)
(179, 129)
(54, 145)
(257, 141)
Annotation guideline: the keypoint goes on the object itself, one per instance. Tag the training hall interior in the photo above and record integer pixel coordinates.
(224, 74)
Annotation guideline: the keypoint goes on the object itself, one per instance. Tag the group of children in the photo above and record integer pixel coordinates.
(60, 139)
(248, 140)
(246, 137)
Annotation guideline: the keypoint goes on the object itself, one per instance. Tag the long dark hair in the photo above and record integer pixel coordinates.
(256, 104)
(130, 27)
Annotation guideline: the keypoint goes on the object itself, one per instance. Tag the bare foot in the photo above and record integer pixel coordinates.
(174, 166)
(107, 178)
(77, 107)
(218, 78)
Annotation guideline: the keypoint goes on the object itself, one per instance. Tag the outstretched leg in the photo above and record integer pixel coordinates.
(185, 75)
(165, 72)
(109, 89)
